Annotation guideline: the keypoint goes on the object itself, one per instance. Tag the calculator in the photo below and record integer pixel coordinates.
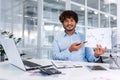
(49, 70)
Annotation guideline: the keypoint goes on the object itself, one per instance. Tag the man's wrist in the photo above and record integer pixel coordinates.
(96, 55)
(70, 50)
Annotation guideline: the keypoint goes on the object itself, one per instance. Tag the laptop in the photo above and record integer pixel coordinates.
(14, 57)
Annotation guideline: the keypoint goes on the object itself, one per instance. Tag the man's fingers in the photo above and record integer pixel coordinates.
(100, 50)
(105, 49)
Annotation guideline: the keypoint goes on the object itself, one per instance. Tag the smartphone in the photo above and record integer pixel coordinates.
(82, 42)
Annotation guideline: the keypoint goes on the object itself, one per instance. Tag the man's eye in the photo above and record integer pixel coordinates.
(66, 21)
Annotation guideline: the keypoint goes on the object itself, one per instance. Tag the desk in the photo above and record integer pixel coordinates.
(9, 72)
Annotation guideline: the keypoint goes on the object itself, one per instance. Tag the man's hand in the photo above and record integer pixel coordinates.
(99, 50)
(75, 47)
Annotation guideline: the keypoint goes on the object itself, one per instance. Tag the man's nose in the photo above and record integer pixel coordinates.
(69, 22)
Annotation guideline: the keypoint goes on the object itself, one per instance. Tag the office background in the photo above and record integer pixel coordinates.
(36, 21)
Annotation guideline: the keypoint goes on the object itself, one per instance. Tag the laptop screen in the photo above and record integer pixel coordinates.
(12, 53)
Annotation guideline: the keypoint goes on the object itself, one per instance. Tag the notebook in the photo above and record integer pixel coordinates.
(14, 57)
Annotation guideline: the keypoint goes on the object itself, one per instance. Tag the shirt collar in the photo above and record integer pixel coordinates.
(65, 34)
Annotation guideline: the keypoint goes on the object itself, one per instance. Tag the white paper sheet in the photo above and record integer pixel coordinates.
(100, 36)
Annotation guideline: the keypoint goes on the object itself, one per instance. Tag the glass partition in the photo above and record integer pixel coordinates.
(48, 32)
(79, 1)
(114, 37)
(93, 3)
(92, 17)
(104, 20)
(30, 24)
(113, 7)
(52, 9)
(11, 17)
(113, 22)
(104, 5)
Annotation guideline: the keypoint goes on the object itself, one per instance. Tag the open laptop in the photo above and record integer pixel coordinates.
(14, 56)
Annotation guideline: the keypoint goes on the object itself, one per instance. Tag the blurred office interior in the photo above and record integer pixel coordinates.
(37, 21)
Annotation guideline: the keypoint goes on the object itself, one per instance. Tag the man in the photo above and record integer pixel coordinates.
(69, 45)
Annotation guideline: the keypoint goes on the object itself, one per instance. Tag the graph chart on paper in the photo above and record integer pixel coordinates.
(100, 36)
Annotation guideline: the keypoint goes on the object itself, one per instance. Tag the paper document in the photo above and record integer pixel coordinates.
(100, 36)
(66, 64)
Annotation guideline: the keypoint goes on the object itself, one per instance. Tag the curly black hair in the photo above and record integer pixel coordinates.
(68, 14)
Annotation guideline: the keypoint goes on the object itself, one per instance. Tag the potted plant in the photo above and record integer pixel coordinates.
(8, 35)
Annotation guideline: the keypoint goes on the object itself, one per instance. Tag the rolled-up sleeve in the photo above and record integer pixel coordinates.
(90, 55)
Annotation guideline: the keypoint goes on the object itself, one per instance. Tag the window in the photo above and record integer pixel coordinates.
(113, 7)
(93, 3)
(104, 5)
(79, 1)
(104, 20)
(92, 17)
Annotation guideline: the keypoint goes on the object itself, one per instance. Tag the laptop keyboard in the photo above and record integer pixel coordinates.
(30, 64)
